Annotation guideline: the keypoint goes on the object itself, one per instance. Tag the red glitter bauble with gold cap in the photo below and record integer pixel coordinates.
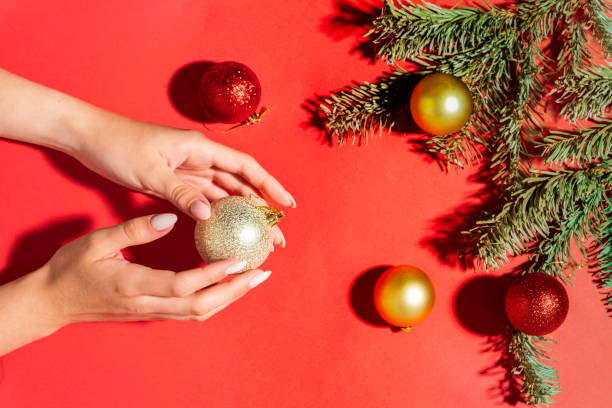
(536, 303)
(229, 92)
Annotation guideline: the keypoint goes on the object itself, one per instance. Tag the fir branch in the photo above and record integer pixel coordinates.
(531, 361)
(585, 93)
(580, 146)
(573, 198)
(597, 16)
(459, 150)
(364, 109)
(476, 45)
(602, 252)
(552, 255)
(541, 17)
(408, 31)
(519, 123)
(496, 52)
(574, 53)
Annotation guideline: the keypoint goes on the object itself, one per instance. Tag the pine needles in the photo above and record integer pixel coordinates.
(540, 380)
(363, 110)
(556, 184)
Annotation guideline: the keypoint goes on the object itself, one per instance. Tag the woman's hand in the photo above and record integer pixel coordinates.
(181, 166)
(89, 279)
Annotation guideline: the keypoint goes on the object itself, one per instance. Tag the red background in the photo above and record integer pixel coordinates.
(307, 337)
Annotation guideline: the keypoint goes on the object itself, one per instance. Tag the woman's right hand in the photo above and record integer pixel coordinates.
(90, 280)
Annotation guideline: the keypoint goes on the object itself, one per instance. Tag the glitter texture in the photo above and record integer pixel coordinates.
(229, 92)
(236, 229)
(536, 303)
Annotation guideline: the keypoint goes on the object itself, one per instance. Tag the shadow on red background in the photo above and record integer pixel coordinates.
(183, 90)
(361, 298)
(34, 248)
(398, 102)
(479, 304)
(479, 307)
(449, 242)
(354, 18)
(175, 251)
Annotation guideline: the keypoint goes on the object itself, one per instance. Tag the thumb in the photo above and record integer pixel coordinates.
(136, 231)
(185, 197)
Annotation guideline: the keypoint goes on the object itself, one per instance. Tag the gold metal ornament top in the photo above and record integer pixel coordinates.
(256, 117)
(273, 214)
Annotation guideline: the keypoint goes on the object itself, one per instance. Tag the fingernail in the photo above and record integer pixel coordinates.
(283, 242)
(162, 221)
(293, 203)
(235, 268)
(200, 210)
(259, 279)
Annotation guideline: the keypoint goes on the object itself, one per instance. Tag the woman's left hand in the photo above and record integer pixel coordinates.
(181, 166)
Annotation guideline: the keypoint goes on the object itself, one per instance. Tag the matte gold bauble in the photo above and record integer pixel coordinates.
(404, 296)
(441, 104)
(238, 228)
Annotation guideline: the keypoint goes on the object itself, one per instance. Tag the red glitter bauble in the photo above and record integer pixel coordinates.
(229, 92)
(536, 303)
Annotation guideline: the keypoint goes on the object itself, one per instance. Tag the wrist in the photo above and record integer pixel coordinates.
(96, 133)
(79, 127)
(25, 311)
(44, 312)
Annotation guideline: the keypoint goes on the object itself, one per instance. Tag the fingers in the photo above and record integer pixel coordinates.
(141, 280)
(279, 237)
(233, 183)
(205, 303)
(185, 197)
(214, 193)
(136, 231)
(233, 161)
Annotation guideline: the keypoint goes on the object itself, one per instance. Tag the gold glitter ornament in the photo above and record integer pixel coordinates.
(238, 228)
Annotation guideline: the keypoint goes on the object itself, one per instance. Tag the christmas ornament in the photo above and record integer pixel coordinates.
(510, 124)
(536, 303)
(440, 104)
(229, 92)
(404, 296)
(238, 228)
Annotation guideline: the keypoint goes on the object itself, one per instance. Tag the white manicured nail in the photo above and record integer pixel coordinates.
(259, 279)
(235, 268)
(199, 210)
(162, 221)
(282, 236)
(293, 203)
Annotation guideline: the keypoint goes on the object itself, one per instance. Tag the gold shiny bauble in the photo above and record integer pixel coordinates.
(441, 104)
(238, 228)
(404, 296)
